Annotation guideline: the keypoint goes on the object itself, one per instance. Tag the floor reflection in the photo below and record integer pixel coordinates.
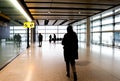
(8, 51)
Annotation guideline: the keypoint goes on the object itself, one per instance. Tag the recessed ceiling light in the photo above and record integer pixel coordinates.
(19, 7)
(49, 12)
(79, 12)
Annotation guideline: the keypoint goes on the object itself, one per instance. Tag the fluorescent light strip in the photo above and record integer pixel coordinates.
(19, 7)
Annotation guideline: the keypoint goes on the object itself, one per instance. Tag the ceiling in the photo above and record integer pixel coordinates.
(56, 12)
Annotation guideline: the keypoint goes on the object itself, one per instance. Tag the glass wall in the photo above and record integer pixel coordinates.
(96, 38)
(105, 28)
(59, 31)
(18, 30)
(95, 29)
(10, 47)
(107, 38)
(80, 29)
(15, 30)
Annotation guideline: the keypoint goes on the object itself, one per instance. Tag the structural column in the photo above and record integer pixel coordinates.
(28, 45)
(33, 35)
(88, 32)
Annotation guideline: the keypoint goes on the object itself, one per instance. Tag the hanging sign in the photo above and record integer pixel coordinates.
(29, 24)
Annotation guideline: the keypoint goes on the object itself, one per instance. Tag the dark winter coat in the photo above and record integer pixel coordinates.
(40, 37)
(70, 43)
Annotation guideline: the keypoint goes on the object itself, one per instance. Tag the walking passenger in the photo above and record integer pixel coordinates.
(70, 46)
(40, 38)
(54, 39)
(50, 38)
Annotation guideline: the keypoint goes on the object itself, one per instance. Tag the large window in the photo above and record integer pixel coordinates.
(105, 28)
(81, 31)
(61, 31)
(107, 20)
(96, 38)
(96, 23)
(107, 13)
(117, 26)
(50, 30)
(82, 37)
(95, 17)
(75, 29)
(18, 30)
(117, 39)
(107, 38)
(117, 18)
(108, 27)
(96, 28)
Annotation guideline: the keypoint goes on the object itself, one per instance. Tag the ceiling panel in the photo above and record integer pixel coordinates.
(73, 5)
(38, 5)
(38, 0)
(58, 17)
(82, 1)
(41, 22)
(57, 12)
(8, 9)
(68, 22)
(67, 9)
(90, 1)
(58, 22)
(51, 22)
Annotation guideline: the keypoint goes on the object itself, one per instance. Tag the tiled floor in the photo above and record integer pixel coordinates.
(46, 63)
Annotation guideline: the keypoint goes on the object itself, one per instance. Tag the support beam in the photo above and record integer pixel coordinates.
(28, 45)
(67, 8)
(69, 3)
(88, 33)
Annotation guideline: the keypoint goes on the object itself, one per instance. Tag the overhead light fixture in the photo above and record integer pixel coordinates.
(19, 7)
(4, 16)
(49, 12)
(79, 12)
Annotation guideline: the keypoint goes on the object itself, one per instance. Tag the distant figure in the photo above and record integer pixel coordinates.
(19, 39)
(54, 38)
(70, 46)
(40, 38)
(50, 38)
(15, 38)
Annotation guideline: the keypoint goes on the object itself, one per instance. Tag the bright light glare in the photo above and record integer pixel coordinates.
(18, 6)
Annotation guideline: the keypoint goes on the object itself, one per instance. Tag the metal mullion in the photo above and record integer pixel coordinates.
(100, 29)
(113, 43)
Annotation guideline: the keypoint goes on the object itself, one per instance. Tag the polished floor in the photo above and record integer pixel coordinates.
(46, 63)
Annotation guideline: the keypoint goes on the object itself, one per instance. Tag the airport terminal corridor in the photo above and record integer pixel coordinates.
(97, 26)
(46, 63)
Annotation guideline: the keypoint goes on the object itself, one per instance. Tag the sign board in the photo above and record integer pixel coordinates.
(29, 24)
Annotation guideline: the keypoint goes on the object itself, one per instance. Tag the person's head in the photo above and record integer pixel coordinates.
(69, 29)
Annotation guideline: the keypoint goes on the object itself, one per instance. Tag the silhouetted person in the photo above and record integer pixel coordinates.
(70, 46)
(54, 38)
(19, 39)
(50, 38)
(15, 38)
(40, 38)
